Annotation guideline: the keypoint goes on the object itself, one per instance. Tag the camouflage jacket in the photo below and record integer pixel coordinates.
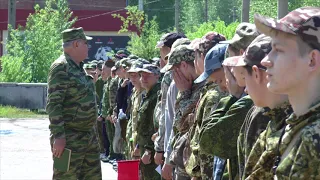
(113, 95)
(185, 105)
(136, 100)
(253, 125)
(159, 113)
(209, 99)
(105, 98)
(99, 89)
(145, 128)
(299, 147)
(71, 101)
(262, 156)
(224, 125)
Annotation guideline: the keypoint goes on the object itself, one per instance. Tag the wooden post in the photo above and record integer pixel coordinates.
(245, 10)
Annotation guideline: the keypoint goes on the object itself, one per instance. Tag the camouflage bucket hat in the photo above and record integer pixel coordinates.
(303, 22)
(178, 42)
(179, 54)
(137, 65)
(150, 68)
(209, 40)
(244, 35)
(74, 34)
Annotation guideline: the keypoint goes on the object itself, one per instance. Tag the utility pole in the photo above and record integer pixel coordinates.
(206, 11)
(177, 15)
(141, 5)
(245, 10)
(282, 8)
(11, 15)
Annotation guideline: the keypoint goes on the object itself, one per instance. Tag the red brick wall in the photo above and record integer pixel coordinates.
(73, 4)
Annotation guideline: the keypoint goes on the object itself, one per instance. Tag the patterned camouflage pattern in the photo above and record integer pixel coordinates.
(89, 66)
(244, 35)
(224, 124)
(145, 130)
(178, 42)
(210, 97)
(179, 54)
(72, 110)
(253, 125)
(209, 40)
(303, 22)
(74, 34)
(150, 68)
(262, 156)
(256, 51)
(121, 54)
(300, 158)
(132, 56)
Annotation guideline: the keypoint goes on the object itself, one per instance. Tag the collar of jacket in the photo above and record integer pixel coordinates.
(72, 63)
(153, 90)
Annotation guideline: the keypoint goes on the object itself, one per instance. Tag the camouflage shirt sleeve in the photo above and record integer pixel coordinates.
(113, 95)
(105, 100)
(225, 130)
(57, 87)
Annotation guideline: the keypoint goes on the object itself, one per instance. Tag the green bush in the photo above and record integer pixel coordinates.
(217, 26)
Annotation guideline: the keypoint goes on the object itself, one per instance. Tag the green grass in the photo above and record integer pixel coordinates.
(13, 112)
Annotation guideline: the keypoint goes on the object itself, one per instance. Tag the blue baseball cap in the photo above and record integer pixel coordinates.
(212, 61)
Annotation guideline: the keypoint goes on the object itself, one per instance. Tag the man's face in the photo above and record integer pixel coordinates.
(82, 48)
(164, 50)
(238, 72)
(106, 71)
(121, 73)
(135, 79)
(199, 63)
(286, 69)
(148, 80)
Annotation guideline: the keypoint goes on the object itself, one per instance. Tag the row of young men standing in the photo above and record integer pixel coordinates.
(205, 126)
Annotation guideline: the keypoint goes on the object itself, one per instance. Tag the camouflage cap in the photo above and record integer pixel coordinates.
(303, 22)
(155, 61)
(94, 62)
(256, 51)
(179, 54)
(121, 54)
(168, 39)
(244, 35)
(89, 66)
(178, 42)
(74, 34)
(150, 68)
(116, 66)
(209, 40)
(100, 64)
(132, 56)
(137, 65)
(125, 62)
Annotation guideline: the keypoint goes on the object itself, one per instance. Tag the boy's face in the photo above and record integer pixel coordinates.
(286, 69)
(255, 84)
(238, 72)
(148, 80)
(135, 79)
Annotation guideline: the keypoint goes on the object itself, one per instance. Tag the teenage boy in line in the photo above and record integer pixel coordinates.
(293, 68)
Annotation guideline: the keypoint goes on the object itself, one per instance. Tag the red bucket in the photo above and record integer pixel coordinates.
(128, 170)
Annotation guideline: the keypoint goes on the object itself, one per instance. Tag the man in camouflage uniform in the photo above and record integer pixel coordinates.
(201, 166)
(296, 51)
(224, 123)
(72, 109)
(165, 45)
(181, 62)
(145, 147)
(137, 93)
(256, 84)
(105, 106)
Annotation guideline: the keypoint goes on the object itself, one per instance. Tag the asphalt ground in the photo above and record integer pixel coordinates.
(25, 151)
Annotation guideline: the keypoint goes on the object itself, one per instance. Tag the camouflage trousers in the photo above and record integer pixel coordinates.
(100, 136)
(85, 159)
(206, 166)
(181, 174)
(148, 171)
(110, 133)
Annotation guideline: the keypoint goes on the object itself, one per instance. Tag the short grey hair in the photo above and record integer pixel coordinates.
(68, 43)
